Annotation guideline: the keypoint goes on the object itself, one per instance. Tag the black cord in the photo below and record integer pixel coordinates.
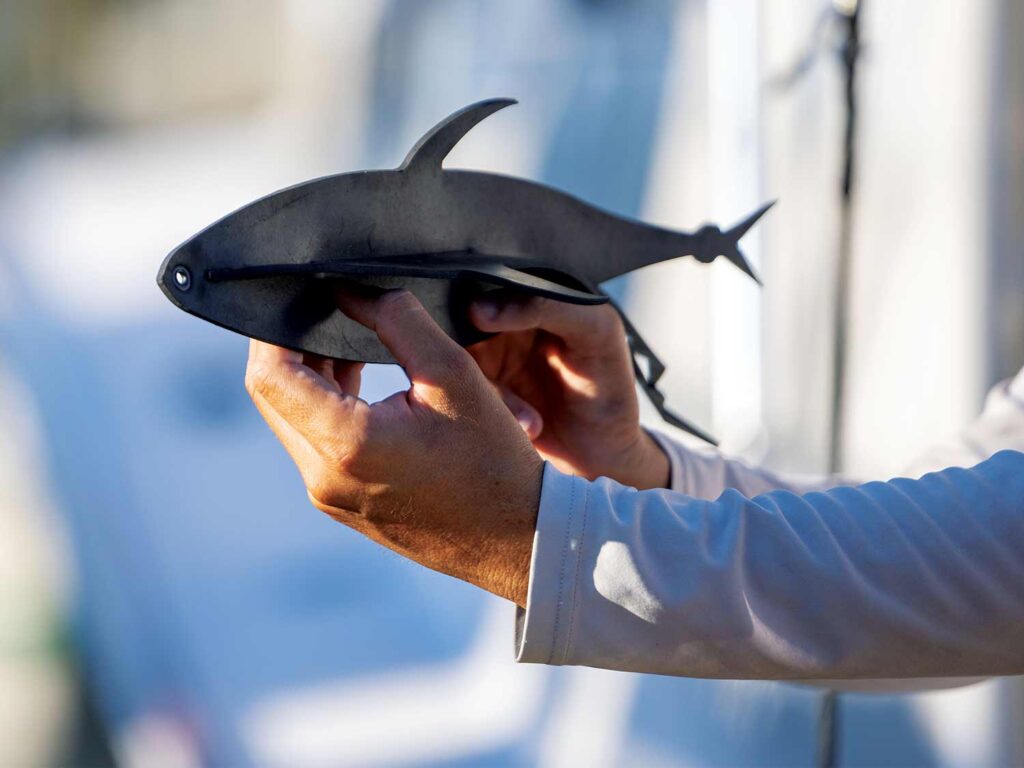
(848, 15)
(649, 369)
(849, 52)
(828, 733)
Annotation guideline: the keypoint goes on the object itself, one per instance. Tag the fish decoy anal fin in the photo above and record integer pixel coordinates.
(639, 352)
(504, 275)
(430, 151)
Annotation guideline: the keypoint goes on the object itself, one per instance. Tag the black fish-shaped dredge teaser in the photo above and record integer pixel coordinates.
(266, 270)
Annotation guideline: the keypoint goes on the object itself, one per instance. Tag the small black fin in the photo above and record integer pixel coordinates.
(500, 274)
(744, 226)
(730, 248)
(648, 378)
(431, 150)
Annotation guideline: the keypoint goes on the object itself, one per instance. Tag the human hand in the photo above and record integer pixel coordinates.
(440, 473)
(565, 372)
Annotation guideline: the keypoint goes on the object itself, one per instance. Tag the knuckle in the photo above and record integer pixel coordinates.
(351, 452)
(257, 378)
(394, 305)
(530, 311)
(337, 454)
(537, 305)
(320, 487)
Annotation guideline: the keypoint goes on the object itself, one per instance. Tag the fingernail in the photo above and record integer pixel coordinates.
(530, 424)
(487, 308)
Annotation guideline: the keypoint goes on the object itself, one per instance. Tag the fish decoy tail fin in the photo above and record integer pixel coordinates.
(729, 243)
(431, 150)
(744, 226)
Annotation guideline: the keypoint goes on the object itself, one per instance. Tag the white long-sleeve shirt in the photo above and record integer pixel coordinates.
(777, 578)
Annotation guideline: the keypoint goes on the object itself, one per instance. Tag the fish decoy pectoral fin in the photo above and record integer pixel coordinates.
(505, 276)
(440, 266)
(431, 150)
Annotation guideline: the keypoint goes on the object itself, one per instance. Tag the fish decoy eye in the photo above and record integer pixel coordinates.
(182, 278)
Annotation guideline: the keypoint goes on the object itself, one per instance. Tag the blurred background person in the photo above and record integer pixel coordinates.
(137, 626)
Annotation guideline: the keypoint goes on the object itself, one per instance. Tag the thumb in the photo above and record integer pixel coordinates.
(427, 353)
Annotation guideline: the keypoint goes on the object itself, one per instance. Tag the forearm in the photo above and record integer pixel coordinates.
(901, 579)
(705, 472)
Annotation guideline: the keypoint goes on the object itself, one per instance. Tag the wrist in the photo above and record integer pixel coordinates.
(647, 467)
(506, 570)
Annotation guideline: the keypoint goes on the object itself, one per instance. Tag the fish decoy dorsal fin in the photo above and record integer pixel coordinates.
(431, 150)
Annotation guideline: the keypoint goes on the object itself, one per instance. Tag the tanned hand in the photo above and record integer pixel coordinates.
(441, 473)
(566, 373)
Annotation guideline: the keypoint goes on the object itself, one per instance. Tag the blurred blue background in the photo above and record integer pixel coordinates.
(169, 596)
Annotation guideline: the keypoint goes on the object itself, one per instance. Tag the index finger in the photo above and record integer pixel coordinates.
(583, 328)
(276, 378)
(416, 341)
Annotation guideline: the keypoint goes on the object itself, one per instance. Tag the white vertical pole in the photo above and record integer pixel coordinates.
(734, 79)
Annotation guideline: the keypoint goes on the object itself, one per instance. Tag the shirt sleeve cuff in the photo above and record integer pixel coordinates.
(543, 629)
(1017, 388)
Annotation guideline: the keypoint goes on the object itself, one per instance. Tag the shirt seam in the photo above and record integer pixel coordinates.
(576, 573)
(561, 572)
(685, 475)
